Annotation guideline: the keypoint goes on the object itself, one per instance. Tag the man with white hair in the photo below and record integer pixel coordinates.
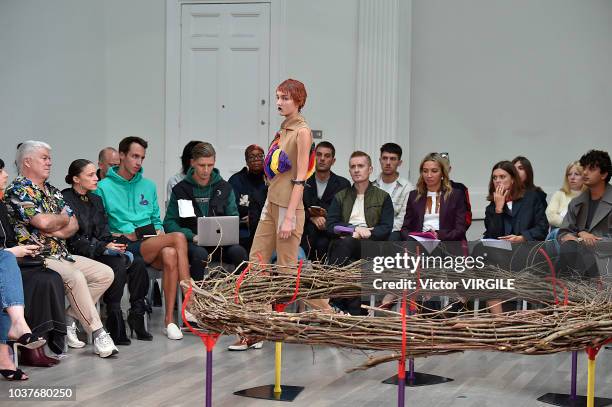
(40, 216)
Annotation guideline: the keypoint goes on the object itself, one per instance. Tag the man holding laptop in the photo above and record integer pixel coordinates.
(203, 207)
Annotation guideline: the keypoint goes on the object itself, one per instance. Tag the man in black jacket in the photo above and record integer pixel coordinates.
(250, 192)
(320, 190)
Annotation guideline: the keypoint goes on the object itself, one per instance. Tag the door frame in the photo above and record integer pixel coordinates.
(173, 70)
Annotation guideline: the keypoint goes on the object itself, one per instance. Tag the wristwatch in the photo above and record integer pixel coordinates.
(69, 211)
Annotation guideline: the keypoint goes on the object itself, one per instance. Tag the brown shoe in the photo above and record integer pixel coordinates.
(245, 343)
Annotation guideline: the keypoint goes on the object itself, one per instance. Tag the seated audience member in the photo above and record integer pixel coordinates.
(434, 206)
(43, 291)
(572, 187)
(463, 189)
(185, 165)
(397, 187)
(514, 214)
(319, 192)
(40, 216)
(13, 326)
(94, 240)
(525, 171)
(130, 201)
(364, 211)
(588, 221)
(250, 191)
(206, 193)
(107, 158)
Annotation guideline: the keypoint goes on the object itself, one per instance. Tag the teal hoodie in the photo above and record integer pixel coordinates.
(129, 204)
(172, 219)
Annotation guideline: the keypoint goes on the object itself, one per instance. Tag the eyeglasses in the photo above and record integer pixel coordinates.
(445, 156)
(255, 157)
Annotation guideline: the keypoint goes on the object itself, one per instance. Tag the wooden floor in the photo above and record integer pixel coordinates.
(171, 373)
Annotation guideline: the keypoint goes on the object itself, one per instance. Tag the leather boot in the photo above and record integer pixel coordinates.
(136, 321)
(116, 327)
(36, 357)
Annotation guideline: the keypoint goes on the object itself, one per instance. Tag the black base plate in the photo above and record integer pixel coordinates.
(564, 400)
(288, 393)
(420, 379)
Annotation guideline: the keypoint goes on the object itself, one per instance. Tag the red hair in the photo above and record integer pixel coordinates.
(295, 89)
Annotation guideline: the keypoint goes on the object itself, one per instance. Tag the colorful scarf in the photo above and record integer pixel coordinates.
(278, 162)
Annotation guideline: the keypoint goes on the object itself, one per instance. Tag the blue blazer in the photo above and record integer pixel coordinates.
(527, 218)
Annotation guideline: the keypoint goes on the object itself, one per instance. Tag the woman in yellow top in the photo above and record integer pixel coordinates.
(572, 187)
(288, 164)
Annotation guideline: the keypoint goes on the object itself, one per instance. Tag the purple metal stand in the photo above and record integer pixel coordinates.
(572, 400)
(401, 392)
(573, 379)
(209, 363)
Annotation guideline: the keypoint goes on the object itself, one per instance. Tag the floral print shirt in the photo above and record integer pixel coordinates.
(26, 200)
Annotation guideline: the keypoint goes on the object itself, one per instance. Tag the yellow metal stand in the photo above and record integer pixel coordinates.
(278, 354)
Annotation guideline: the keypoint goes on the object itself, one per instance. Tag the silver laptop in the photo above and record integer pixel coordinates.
(217, 230)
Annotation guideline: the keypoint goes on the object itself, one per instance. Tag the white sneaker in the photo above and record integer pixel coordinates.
(172, 331)
(104, 345)
(190, 317)
(71, 337)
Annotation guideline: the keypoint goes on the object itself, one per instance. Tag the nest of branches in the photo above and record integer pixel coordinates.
(565, 320)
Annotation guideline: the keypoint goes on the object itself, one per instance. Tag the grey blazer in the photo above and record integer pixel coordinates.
(575, 219)
(601, 225)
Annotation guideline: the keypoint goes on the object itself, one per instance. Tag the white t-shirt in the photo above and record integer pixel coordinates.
(321, 186)
(509, 203)
(431, 219)
(358, 213)
(388, 188)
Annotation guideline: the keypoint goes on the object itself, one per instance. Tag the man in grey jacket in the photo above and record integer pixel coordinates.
(586, 231)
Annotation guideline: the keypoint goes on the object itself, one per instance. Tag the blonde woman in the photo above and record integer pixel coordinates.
(572, 187)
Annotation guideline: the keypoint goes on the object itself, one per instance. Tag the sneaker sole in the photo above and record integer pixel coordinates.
(73, 346)
(241, 348)
(103, 355)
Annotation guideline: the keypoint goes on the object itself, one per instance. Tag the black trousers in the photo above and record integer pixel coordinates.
(43, 292)
(198, 256)
(577, 261)
(342, 252)
(135, 276)
(315, 242)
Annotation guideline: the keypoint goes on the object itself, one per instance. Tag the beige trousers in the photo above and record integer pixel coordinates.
(266, 240)
(85, 281)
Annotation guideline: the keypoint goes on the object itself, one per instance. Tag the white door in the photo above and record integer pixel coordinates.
(225, 70)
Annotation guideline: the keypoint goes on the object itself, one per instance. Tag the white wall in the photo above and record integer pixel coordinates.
(321, 51)
(135, 68)
(52, 79)
(492, 79)
(481, 79)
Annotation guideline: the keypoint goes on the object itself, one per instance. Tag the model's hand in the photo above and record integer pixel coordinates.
(513, 238)
(589, 239)
(499, 197)
(319, 222)
(285, 229)
(25, 250)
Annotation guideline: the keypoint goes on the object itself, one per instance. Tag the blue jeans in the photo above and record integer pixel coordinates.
(11, 290)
